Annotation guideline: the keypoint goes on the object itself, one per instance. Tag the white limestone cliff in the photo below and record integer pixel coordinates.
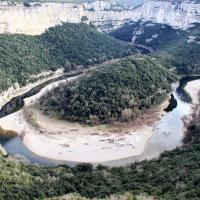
(180, 15)
(33, 20)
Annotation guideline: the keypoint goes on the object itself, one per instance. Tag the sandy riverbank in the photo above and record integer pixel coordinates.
(17, 121)
(193, 88)
(75, 142)
(61, 140)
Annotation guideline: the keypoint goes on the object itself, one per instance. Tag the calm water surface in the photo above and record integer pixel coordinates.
(168, 134)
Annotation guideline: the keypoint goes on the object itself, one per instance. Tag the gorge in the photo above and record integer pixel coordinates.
(99, 100)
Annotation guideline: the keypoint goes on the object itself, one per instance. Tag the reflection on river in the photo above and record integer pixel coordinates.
(168, 134)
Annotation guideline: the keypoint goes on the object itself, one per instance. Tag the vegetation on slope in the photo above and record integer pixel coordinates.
(174, 175)
(125, 196)
(66, 45)
(179, 49)
(119, 91)
(151, 34)
(184, 54)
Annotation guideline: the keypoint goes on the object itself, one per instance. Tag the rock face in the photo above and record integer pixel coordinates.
(177, 14)
(35, 18)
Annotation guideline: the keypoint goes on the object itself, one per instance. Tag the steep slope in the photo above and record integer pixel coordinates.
(119, 91)
(154, 35)
(64, 46)
(177, 48)
(183, 53)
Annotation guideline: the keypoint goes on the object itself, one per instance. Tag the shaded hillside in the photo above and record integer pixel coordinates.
(180, 49)
(66, 45)
(184, 53)
(118, 91)
(151, 34)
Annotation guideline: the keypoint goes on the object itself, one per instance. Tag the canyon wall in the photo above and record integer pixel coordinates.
(37, 17)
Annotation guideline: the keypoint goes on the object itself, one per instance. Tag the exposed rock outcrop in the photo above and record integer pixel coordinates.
(36, 18)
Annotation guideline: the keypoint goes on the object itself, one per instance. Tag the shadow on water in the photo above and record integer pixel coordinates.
(172, 104)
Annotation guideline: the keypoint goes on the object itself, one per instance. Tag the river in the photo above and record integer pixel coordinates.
(167, 134)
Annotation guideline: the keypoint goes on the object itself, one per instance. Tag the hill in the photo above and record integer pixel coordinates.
(119, 91)
(154, 35)
(183, 53)
(177, 48)
(63, 46)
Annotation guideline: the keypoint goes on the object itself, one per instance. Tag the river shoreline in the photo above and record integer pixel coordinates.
(15, 90)
(98, 144)
(63, 141)
(13, 100)
(47, 133)
(76, 156)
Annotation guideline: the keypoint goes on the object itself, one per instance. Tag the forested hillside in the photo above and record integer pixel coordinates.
(66, 45)
(174, 175)
(184, 53)
(151, 34)
(179, 49)
(119, 91)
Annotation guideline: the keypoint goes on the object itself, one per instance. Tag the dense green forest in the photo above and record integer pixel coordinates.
(119, 91)
(179, 49)
(175, 175)
(183, 53)
(66, 45)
